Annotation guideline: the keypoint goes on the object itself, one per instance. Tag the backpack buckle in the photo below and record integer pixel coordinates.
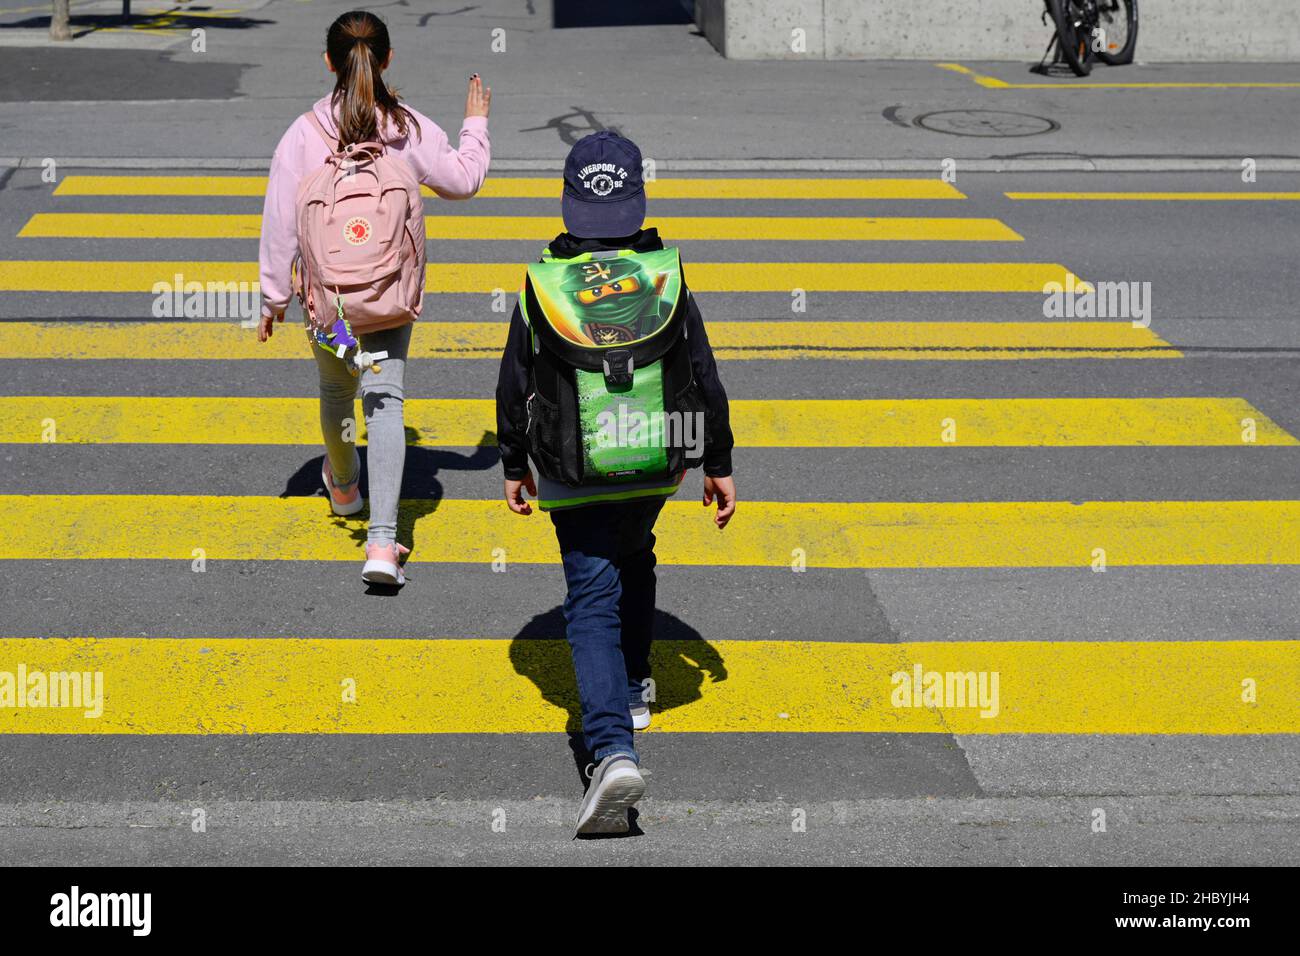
(618, 368)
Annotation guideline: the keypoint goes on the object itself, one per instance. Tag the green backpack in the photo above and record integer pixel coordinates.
(612, 398)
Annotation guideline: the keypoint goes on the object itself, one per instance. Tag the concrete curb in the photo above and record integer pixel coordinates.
(1026, 164)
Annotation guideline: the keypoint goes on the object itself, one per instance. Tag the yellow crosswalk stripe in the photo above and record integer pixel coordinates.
(247, 685)
(986, 534)
(113, 225)
(730, 340)
(1160, 196)
(542, 187)
(466, 277)
(124, 685)
(832, 423)
(538, 228)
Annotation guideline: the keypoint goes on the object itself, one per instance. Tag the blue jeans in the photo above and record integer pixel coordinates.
(609, 565)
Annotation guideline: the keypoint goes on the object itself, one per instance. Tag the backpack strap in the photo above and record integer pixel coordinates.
(331, 142)
(372, 146)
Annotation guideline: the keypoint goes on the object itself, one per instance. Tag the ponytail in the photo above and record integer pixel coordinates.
(358, 45)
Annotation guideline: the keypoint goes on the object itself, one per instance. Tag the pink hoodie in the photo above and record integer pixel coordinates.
(451, 173)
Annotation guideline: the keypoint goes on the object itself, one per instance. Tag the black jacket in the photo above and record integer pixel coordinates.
(512, 382)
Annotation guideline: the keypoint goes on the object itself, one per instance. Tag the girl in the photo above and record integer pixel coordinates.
(362, 108)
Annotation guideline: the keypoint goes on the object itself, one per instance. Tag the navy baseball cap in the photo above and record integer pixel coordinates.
(604, 194)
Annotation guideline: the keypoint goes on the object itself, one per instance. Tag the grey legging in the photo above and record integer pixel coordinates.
(382, 395)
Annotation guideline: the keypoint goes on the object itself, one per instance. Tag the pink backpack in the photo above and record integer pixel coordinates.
(360, 239)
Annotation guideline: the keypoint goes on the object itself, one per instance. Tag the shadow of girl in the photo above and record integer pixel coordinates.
(421, 490)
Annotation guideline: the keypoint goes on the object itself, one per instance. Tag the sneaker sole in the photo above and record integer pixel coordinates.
(640, 722)
(609, 813)
(381, 572)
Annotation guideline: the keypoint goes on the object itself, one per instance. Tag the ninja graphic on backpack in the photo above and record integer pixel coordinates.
(611, 393)
(360, 239)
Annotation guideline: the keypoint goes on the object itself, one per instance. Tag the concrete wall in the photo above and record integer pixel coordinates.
(1170, 30)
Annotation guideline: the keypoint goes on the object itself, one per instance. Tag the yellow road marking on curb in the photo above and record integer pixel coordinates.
(466, 277)
(294, 686)
(730, 340)
(1159, 196)
(541, 187)
(1150, 86)
(993, 83)
(538, 228)
(836, 423)
(981, 534)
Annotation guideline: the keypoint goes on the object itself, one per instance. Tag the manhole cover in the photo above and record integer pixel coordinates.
(991, 123)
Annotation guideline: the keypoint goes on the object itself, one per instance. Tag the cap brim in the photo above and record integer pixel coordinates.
(600, 220)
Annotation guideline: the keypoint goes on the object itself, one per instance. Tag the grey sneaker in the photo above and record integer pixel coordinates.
(640, 716)
(616, 785)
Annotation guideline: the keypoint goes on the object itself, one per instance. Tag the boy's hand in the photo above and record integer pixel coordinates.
(514, 496)
(479, 100)
(724, 489)
(265, 327)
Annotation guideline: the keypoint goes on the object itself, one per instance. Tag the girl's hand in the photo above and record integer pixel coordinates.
(265, 327)
(479, 100)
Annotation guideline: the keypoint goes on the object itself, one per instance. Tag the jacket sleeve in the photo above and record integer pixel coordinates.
(279, 245)
(512, 399)
(451, 173)
(718, 440)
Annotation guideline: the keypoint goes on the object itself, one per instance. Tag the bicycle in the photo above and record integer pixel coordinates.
(1105, 29)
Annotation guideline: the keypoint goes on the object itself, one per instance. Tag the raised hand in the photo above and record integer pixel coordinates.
(479, 99)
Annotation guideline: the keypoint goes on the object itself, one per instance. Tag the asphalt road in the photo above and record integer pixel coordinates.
(1150, 731)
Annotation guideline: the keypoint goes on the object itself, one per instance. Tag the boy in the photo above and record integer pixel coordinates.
(606, 333)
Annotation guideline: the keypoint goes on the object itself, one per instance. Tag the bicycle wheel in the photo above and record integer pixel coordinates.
(1119, 18)
(1072, 34)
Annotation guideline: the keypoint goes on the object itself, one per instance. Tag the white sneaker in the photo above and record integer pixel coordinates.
(616, 786)
(640, 716)
(384, 563)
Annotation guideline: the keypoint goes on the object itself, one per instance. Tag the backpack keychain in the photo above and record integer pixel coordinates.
(340, 342)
